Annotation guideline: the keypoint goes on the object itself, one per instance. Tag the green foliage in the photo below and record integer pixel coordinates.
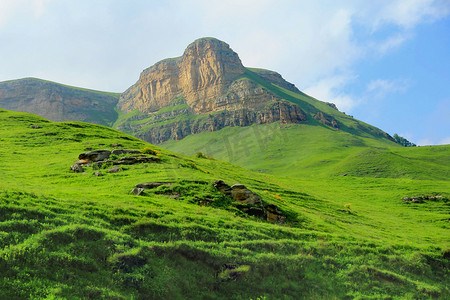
(72, 235)
(402, 141)
(150, 151)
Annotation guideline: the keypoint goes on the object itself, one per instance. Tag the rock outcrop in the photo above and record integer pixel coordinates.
(101, 158)
(326, 120)
(200, 76)
(58, 102)
(210, 88)
(251, 203)
(281, 111)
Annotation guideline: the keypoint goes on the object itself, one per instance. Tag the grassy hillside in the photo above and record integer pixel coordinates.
(313, 150)
(77, 235)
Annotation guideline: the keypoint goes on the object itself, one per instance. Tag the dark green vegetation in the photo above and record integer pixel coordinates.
(402, 141)
(76, 235)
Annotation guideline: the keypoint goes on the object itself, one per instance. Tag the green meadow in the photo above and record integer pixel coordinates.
(66, 235)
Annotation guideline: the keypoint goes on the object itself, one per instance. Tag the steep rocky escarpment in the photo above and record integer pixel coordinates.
(216, 92)
(183, 125)
(58, 102)
(200, 76)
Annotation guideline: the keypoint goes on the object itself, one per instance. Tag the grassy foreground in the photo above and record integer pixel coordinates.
(77, 235)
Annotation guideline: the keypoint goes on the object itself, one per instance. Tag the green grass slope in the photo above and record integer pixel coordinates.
(76, 235)
(313, 150)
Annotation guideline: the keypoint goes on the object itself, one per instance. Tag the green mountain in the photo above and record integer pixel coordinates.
(58, 102)
(67, 234)
(207, 101)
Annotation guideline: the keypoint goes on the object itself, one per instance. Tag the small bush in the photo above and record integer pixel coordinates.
(150, 151)
(200, 155)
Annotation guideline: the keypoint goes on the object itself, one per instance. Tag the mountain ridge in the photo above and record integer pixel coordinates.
(210, 80)
(58, 102)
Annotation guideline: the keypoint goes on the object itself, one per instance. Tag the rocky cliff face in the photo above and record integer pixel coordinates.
(281, 111)
(200, 76)
(57, 102)
(214, 86)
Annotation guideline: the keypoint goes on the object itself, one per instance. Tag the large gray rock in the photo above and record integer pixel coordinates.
(150, 185)
(76, 168)
(243, 195)
(251, 203)
(93, 156)
(114, 170)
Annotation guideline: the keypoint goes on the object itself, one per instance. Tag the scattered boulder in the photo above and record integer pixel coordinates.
(137, 191)
(115, 170)
(416, 200)
(223, 187)
(274, 214)
(326, 120)
(35, 126)
(93, 156)
(77, 168)
(98, 173)
(251, 203)
(150, 185)
(243, 195)
(421, 199)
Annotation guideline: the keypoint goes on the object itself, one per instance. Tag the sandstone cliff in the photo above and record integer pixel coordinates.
(58, 102)
(208, 78)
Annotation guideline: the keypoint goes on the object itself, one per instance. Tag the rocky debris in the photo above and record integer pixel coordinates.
(151, 185)
(140, 187)
(421, 199)
(243, 195)
(125, 151)
(98, 158)
(274, 214)
(93, 156)
(115, 170)
(251, 203)
(332, 105)
(98, 173)
(326, 120)
(35, 126)
(137, 191)
(223, 187)
(76, 168)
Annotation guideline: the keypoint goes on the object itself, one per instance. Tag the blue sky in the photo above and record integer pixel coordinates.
(386, 62)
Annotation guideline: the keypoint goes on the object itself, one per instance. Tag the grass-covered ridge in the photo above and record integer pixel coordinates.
(76, 235)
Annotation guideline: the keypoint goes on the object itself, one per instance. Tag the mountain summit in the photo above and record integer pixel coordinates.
(206, 77)
(177, 97)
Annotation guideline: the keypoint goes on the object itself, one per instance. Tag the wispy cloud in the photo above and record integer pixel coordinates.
(380, 88)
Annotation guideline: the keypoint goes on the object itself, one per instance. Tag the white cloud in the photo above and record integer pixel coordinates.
(380, 88)
(409, 13)
(328, 89)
